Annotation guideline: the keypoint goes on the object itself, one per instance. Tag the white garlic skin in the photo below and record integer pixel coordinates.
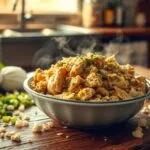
(12, 78)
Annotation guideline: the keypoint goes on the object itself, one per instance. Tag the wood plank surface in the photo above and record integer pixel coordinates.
(129, 31)
(118, 137)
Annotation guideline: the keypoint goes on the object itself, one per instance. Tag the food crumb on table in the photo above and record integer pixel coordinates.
(138, 132)
(25, 123)
(60, 134)
(105, 139)
(10, 107)
(19, 124)
(67, 136)
(2, 129)
(16, 137)
(16, 113)
(47, 126)
(5, 124)
(9, 134)
(30, 141)
(145, 110)
(142, 122)
(37, 128)
(21, 108)
(25, 117)
(2, 135)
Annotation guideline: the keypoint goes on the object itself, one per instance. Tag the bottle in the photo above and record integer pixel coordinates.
(91, 13)
(120, 14)
(140, 19)
(109, 15)
(142, 13)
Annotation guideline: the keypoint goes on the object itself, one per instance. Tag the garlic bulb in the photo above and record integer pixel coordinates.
(12, 77)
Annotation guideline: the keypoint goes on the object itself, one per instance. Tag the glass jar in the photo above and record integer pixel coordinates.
(91, 13)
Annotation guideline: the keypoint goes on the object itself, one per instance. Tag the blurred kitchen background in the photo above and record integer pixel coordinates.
(36, 33)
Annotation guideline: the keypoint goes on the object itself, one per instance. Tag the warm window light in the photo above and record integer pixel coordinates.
(48, 6)
(42, 6)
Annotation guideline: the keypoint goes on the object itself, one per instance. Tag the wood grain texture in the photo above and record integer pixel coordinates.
(117, 137)
(106, 32)
(114, 138)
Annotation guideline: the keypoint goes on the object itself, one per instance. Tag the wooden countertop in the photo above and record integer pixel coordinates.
(115, 138)
(28, 26)
(112, 31)
(143, 32)
(143, 71)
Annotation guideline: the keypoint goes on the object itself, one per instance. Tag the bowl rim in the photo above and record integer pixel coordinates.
(79, 102)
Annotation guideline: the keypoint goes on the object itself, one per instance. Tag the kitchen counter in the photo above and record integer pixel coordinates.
(33, 32)
(31, 36)
(111, 31)
(70, 30)
(114, 138)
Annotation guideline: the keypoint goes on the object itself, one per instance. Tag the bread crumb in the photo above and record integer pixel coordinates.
(5, 124)
(67, 136)
(142, 122)
(139, 128)
(2, 135)
(37, 128)
(25, 117)
(60, 134)
(50, 124)
(65, 127)
(30, 141)
(10, 107)
(145, 110)
(16, 137)
(16, 113)
(138, 133)
(21, 108)
(9, 134)
(2, 129)
(105, 139)
(25, 123)
(45, 127)
(19, 124)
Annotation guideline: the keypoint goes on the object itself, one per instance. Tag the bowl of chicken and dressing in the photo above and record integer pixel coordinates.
(88, 91)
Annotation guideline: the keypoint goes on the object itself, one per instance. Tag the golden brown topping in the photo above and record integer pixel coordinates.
(77, 68)
(86, 93)
(90, 77)
(74, 83)
(122, 94)
(93, 80)
(56, 81)
(102, 91)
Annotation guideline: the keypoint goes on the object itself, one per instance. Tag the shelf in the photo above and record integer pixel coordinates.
(132, 31)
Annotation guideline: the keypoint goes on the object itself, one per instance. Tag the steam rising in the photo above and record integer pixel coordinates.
(78, 45)
(58, 47)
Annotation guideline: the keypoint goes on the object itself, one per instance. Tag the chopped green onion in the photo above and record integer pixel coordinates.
(13, 120)
(15, 99)
(8, 113)
(6, 119)
(14, 102)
